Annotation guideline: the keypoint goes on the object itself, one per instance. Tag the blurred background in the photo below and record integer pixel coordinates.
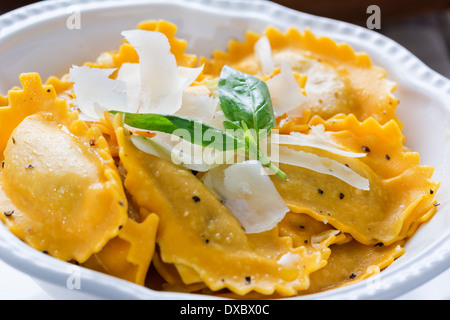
(423, 27)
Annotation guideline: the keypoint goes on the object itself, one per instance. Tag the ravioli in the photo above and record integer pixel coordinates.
(202, 239)
(398, 195)
(339, 79)
(128, 256)
(353, 262)
(58, 175)
(83, 190)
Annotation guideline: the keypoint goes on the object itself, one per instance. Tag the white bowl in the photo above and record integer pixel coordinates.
(36, 38)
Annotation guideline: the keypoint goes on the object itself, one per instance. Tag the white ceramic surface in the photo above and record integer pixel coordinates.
(36, 39)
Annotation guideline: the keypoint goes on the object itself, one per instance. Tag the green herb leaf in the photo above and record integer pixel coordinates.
(245, 101)
(194, 131)
(244, 97)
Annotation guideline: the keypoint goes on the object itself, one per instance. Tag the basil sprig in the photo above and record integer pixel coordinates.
(245, 98)
(245, 102)
(194, 131)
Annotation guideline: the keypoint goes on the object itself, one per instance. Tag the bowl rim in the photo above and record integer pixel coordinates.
(422, 267)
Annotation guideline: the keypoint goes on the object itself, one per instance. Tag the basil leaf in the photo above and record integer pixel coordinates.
(245, 101)
(194, 131)
(244, 97)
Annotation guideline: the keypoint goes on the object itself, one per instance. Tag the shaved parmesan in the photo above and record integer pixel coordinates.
(162, 82)
(284, 90)
(263, 52)
(201, 107)
(313, 141)
(322, 165)
(189, 75)
(250, 195)
(218, 119)
(95, 92)
(130, 74)
(182, 152)
(149, 146)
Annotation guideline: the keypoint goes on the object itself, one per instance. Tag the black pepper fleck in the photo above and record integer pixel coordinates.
(45, 251)
(120, 227)
(341, 196)
(196, 199)
(387, 157)
(30, 166)
(248, 279)
(48, 90)
(379, 244)
(121, 203)
(437, 204)
(8, 213)
(3, 164)
(207, 240)
(365, 149)
(431, 191)
(352, 276)
(320, 191)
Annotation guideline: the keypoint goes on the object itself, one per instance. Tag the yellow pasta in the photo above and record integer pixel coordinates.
(81, 184)
(58, 177)
(340, 80)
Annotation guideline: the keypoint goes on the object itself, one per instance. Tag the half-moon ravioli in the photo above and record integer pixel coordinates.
(399, 195)
(352, 262)
(200, 237)
(339, 79)
(128, 256)
(59, 178)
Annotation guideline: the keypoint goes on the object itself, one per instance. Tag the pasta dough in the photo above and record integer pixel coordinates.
(82, 191)
(59, 179)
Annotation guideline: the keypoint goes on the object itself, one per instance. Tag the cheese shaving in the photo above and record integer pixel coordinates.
(322, 165)
(263, 53)
(250, 195)
(162, 82)
(182, 152)
(313, 141)
(284, 90)
(131, 75)
(198, 106)
(96, 92)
